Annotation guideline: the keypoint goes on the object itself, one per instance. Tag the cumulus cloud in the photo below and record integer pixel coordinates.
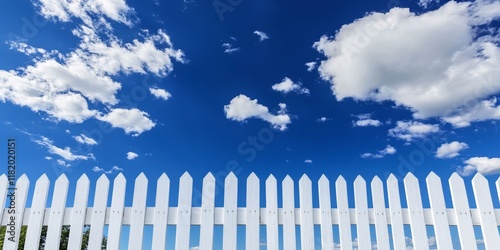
(323, 119)
(308, 161)
(450, 150)
(48, 158)
(133, 121)
(241, 108)
(366, 121)
(64, 153)
(412, 130)
(83, 139)
(389, 150)
(109, 171)
(287, 85)
(131, 155)
(483, 165)
(63, 163)
(311, 66)
(70, 86)
(443, 63)
(160, 93)
(229, 49)
(64, 10)
(426, 3)
(262, 36)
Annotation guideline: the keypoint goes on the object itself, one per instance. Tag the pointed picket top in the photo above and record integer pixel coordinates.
(63, 179)
(391, 180)
(230, 212)
(479, 179)
(116, 216)
(271, 180)
(359, 181)
(340, 183)
(209, 177)
(120, 178)
(456, 178)
(376, 182)
(43, 180)
(23, 180)
(304, 179)
(252, 179)
(324, 183)
(431, 177)
(288, 181)
(103, 180)
(83, 180)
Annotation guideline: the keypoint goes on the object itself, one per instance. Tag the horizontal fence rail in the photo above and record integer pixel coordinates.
(380, 216)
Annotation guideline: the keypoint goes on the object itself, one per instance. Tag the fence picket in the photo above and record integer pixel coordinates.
(462, 212)
(138, 212)
(379, 212)
(21, 194)
(306, 213)
(288, 214)
(486, 212)
(161, 213)
(325, 207)
(57, 212)
(343, 214)
(184, 212)
(230, 212)
(253, 209)
(272, 213)
(116, 212)
(37, 212)
(362, 223)
(78, 213)
(398, 235)
(439, 214)
(208, 210)
(98, 213)
(417, 223)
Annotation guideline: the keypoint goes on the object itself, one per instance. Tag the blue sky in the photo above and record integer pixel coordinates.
(272, 87)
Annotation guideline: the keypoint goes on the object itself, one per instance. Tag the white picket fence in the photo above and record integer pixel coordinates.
(253, 215)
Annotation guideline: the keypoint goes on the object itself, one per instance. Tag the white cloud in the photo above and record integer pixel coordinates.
(109, 171)
(241, 108)
(388, 150)
(450, 150)
(63, 163)
(443, 63)
(311, 66)
(48, 158)
(229, 49)
(425, 3)
(287, 85)
(324, 119)
(65, 153)
(483, 165)
(366, 121)
(262, 36)
(160, 93)
(83, 139)
(67, 131)
(412, 130)
(68, 86)
(133, 121)
(132, 155)
(64, 10)
(116, 168)
(308, 161)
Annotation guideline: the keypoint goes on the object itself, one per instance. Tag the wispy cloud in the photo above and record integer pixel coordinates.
(389, 150)
(262, 36)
